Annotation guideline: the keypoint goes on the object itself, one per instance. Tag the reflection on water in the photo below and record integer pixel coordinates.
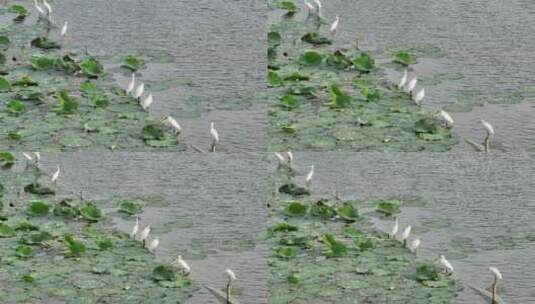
(477, 211)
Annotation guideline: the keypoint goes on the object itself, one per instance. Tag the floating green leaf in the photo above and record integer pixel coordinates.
(26, 227)
(286, 252)
(132, 63)
(274, 80)
(130, 207)
(67, 103)
(6, 231)
(16, 107)
(5, 86)
(37, 208)
(295, 209)
(37, 238)
(42, 62)
(364, 63)
(90, 212)
(23, 251)
(289, 101)
(18, 9)
(163, 273)
(66, 209)
(315, 38)
(284, 227)
(321, 209)
(289, 6)
(339, 99)
(274, 39)
(334, 247)
(370, 93)
(363, 244)
(104, 243)
(6, 159)
(92, 68)
(293, 189)
(348, 212)
(25, 81)
(388, 208)
(4, 43)
(404, 58)
(74, 247)
(310, 58)
(153, 132)
(36, 188)
(45, 43)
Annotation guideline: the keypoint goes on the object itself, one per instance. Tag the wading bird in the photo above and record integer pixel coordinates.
(405, 235)
(395, 229)
(290, 157)
(215, 136)
(411, 85)
(139, 91)
(446, 117)
(145, 103)
(144, 235)
(448, 268)
(48, 10)
(182, 266)
(415, 244)
(419, 97)
(497, 276)
(135, 229)
(64, 29)
(309, 176)
(39, 8)
(174, 124)
(318, 7)
(334, 25)
(309, 7)
(153, 244)
(280, 158)
(231, 276)
(490, 132)
(55, 176)
(132, 84)
(403, 80)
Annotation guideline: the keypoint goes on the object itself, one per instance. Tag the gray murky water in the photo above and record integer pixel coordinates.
(214, 51)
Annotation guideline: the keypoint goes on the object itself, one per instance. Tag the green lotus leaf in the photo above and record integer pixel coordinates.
(6, 231)
(130, 207)
(5, 86)
(6, 159)
(92, 68)
(16, 107)
(339, 99)
(348, 212)
(310, 58)
(45, 43)
(316, 39)
(295, 209)
(293, 189)
(36, 188)
(67, 103)
(388, 208)
(274, 80)
(37, 208)
(404, 58)
(334, 247)
(24, 251)
(90, 212)
(289, 6)
(286, 252)
(364, 63)
(163, 273)
(132, 63)
(74, 247)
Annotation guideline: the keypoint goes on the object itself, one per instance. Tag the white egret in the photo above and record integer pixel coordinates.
(497, 276)
(405, 235)
(64, 29)
(215, 136)
(318, 7)
(144, 234)
(48, 10)
(182, 265)
(411, 85)
(447, 265)
(37, 157)
(27, 156)
(403, 80)
(334, 25)
(146, 103)
(490, 132)
(309, 7)
(38, 8)
(309, 176)
(446, 117)
(132, 84)
(281, 158)
(55, 175)
(231, 276)
(135, 229)
(153, 244)
(139, 91)
(174, 124)
(415, 244)
(290, 157)
(419, 96)
(395, 228)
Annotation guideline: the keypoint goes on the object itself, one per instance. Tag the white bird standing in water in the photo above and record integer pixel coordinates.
(419, 96)
(490, 132)
(447, 265)
(27, 156)
(280, 158)
(309, 7)
(48, 9)
(144, 234)
(415, 244)
(145, 103)
(139, 91)
(318, 7)
(174, 124)
(64, 29)
(403, 80)
(135, 229)
(182, 265)
(39, 8)
(215, 136)
(395, 228)
(153, 244)
(310, 175)
(37, 158)
(446, 117)
(497, 276)
(405, 235)
(334, 25)
(132, 84)
(290, 157)
(411, 85)
(55, 176)
(231, 276)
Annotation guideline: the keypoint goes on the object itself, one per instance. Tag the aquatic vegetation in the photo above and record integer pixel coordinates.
(69, 249)
(57, 99)
(404, 58)
(324, 98)
(329, 243)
